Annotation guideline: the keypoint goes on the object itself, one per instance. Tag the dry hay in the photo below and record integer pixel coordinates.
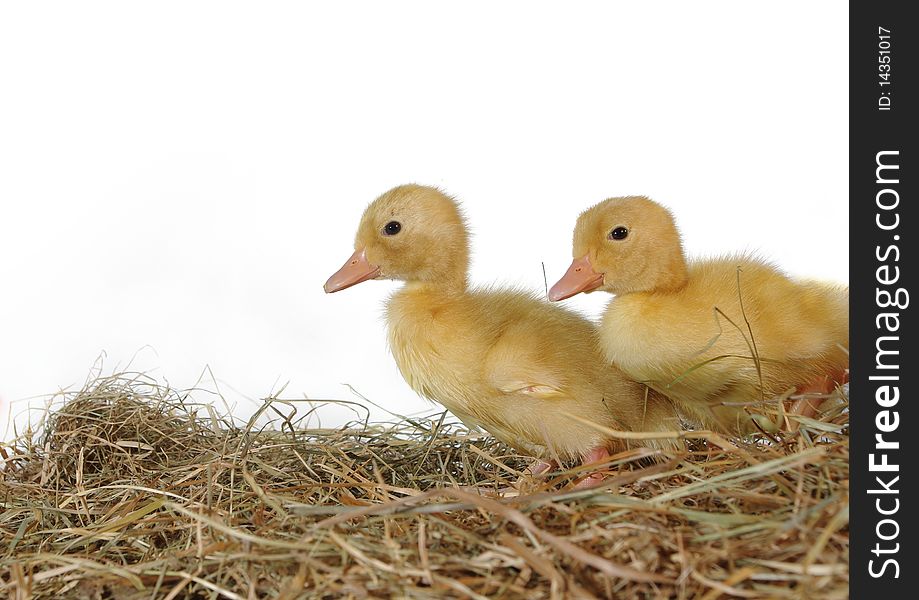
(133, 491)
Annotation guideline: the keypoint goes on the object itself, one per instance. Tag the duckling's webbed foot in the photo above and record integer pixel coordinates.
(597, 455)
(813, 395)
(539, 467)
(531, 477)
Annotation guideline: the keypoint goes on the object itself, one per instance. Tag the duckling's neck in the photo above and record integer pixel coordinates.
(413, 308)
(449, 278)
(673, 279)
(442, 288)
(664, 277)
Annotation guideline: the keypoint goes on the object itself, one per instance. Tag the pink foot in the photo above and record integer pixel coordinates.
(597, 455)
(539, 467)
(809, 407)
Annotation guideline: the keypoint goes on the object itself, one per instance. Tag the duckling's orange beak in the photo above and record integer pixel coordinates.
(355, 270)
(580, 277)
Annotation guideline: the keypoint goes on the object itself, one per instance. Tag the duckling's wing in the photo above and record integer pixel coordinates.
(521, 377)
(538, 390)
(527, 358)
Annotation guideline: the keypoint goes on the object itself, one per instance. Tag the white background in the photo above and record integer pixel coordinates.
(178, 180)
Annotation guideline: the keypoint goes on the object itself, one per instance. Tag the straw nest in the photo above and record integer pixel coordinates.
(132, 490)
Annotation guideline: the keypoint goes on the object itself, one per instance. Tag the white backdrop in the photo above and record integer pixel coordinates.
(178, 180)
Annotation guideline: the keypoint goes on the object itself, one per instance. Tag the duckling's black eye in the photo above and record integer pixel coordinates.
(620, 233)
(392, 228)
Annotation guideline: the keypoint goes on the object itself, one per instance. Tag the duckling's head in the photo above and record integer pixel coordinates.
(412, 233)
(624, 245)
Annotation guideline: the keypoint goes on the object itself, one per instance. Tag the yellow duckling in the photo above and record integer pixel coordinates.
(683, 328)
(504, 361)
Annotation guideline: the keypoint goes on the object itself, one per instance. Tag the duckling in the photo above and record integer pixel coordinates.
(713, 335)
(500, 360)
